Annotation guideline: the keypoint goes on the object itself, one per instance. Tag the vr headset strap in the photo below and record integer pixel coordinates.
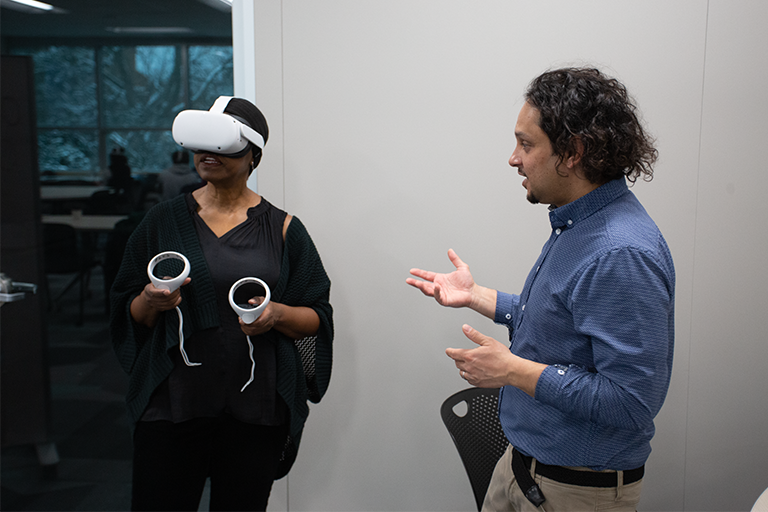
(252, 135)
(249, 133)
(220, 104)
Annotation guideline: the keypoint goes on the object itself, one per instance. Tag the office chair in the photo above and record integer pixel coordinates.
(114, 248)
(477, 434)
(109, 202)
(63, 255)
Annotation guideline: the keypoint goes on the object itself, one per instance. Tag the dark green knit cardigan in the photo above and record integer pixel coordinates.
(303, 366)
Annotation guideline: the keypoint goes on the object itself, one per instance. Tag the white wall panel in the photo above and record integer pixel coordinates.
(728, 422)
(392, 123)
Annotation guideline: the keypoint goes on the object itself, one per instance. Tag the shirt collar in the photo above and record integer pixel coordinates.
(568, 215)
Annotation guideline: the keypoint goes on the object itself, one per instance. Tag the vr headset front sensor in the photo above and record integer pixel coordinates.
(214, 131)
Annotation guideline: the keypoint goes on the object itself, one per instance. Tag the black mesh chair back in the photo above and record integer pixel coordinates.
(477, 434)
(114, 248)
(63, 254)
(109, 202)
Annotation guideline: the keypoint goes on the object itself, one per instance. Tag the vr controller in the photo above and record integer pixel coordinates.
(250, 314)
(214, 131)
(168, 284)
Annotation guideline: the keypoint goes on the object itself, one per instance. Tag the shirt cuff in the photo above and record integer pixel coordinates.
(505, 303)
(550, 382)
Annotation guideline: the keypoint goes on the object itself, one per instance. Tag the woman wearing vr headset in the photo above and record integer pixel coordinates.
(195, 420)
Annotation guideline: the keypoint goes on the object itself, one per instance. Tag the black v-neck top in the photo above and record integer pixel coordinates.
(253, 248)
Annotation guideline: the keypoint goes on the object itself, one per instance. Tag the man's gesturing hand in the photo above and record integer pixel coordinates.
(492, 365)
(452, 290)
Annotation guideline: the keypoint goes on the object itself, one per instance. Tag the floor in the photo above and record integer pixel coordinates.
(89, 422)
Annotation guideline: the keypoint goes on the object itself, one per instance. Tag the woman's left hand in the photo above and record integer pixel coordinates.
(265, 322)
(294, 321)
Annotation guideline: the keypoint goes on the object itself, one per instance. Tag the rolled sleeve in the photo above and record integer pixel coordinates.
(506, 307)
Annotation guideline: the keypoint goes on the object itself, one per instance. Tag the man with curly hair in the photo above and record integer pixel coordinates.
(592, 332)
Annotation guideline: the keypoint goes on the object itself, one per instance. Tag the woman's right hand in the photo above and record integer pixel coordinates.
(147, 306)
(163, 300)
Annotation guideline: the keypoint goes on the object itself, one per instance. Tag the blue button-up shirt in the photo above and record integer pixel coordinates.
(598, 308)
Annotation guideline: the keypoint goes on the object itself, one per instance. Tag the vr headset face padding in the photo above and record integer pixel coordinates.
(216, 132)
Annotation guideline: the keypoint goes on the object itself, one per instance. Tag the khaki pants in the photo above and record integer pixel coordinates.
(505, 495)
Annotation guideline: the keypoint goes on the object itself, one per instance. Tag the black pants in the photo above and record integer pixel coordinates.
(171, 462)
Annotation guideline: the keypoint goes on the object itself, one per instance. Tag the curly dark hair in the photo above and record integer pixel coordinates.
(585, 104)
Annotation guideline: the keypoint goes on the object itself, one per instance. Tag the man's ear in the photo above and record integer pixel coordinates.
(573, 158)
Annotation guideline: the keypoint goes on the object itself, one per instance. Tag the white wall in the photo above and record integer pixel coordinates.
(391, 125)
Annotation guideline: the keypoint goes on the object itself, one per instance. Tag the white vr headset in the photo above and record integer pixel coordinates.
(214, 131)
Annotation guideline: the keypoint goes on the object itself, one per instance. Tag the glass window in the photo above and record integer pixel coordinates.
(210, 75)
(66, 150)
(65, 86)
(141, 86)
(146, 150)
(131, 103)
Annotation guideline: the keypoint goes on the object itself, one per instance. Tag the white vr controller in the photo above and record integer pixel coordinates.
(168, 284)
(172, 285)
(249, 315)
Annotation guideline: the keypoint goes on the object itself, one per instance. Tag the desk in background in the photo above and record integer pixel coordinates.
(86, 222)
(68, 192)
(61, 199)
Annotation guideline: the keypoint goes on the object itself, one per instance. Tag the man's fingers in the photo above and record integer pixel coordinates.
(475, 336)
(423, 274)
(455, 259)
(417, 283)
(424, 286)
(457, 354)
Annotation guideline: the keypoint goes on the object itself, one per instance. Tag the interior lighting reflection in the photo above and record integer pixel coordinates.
(34, 3)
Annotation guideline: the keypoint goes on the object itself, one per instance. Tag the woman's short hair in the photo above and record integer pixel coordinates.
(249, 113)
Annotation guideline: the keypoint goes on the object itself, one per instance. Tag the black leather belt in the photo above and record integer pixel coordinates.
(583, 478)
